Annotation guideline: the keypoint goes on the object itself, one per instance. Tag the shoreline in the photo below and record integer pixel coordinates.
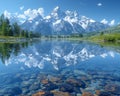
(22, 39)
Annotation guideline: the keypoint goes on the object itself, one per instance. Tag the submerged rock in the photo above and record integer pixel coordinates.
(25, 84)
(14, 91)
(39, 93)
(85, 78)
(45, 81)
(104, 94)
(87, 94)
(43, 93)
(59, 93)
(113, 88)
(79, 72)
(66, 88)
(48, 94)
(34, 87)
(49, 86)
(53, 79)
(76, 82)
(79, 94)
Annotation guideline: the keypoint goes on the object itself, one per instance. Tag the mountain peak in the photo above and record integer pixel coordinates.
(56, 9)
(86, 19)
(57, 13)
(70, 13)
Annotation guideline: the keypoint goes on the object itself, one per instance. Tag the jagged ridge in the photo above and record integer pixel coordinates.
(62, 23)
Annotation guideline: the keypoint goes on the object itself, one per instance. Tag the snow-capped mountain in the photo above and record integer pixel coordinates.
(38, 24)
(60, 22)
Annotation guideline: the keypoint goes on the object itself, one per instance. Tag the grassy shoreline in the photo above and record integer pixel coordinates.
(12, 39)
(105, 38)
(112, 38)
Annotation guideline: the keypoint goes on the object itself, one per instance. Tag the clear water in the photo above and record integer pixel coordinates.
(27, 68)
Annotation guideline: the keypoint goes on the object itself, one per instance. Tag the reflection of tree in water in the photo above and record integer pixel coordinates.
(7, 49)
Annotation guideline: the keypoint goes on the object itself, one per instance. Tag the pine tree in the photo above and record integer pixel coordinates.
(16, 29)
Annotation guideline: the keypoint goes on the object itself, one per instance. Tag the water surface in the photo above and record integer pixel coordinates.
(73, 67)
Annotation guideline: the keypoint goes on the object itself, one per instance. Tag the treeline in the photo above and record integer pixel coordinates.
(8, 29)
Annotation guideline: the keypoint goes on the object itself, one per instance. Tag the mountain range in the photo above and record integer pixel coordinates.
(60, 22)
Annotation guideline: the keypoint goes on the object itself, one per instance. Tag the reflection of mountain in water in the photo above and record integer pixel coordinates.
(58, 54)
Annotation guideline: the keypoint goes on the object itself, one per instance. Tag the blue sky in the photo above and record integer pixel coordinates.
(106, 10)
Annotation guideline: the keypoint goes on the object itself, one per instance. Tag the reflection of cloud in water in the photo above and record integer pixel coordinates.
(104, 55)
(111, 54)
(58, 54)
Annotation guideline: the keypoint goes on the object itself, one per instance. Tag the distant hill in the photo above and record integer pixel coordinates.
(114, 29)
(111, 34)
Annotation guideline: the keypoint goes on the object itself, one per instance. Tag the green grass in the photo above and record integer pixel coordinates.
(11, 39)
(111, 37)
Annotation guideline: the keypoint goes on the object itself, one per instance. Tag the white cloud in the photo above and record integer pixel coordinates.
(112, 54)
(99, 4)
(32, 13)
(112, 22)
(104, 21)
(104, 55)
(22, 7)
(28, 14)
(7, 14)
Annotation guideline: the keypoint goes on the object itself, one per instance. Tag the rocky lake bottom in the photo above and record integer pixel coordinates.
(66, 83)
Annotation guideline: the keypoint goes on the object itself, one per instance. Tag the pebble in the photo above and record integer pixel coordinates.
(87, 94)
(60, 93)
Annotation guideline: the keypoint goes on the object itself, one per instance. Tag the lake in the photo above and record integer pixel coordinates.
(59, 68)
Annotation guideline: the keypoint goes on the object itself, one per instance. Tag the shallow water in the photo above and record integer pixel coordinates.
(73, 67)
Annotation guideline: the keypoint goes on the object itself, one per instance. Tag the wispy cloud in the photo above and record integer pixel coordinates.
(22, 7)
(99, 4)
